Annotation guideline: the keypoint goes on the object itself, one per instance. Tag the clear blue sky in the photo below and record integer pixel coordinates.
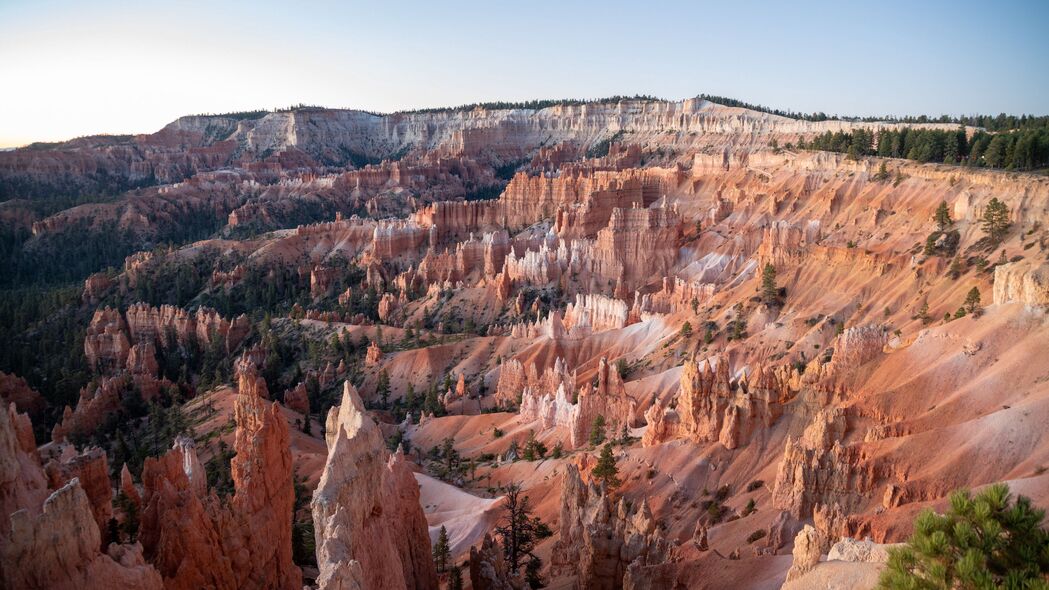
(78, 67)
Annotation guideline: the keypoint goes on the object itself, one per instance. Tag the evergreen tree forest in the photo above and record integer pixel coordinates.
(1019, 149)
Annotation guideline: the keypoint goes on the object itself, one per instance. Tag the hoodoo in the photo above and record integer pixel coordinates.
(622, 343)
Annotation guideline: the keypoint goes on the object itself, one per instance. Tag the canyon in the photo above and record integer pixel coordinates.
(379, 325)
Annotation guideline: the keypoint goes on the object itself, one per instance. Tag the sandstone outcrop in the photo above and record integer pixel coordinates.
(711, 407)
(555, 409)
(602, 540)
(91, 469)
(15, 390)
(515, 379)
(489, 571)
(59, 548)
(370, 527)
(95, 286)
(51, 538)
(849, 563)
(298, 399)
(1022, 282)
(96, 404)
(249, 382)
(106, 343)
(194, 539)
(23, 484)
(111, 334)
(373, 355)
(815, 468)
(806, 552)
(595, 313)
(265, 493)
(154, 324)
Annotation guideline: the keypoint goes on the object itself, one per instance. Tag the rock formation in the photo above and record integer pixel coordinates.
(849, 563)
(489, 571)
(96, 403)
(106, 342)
(154, 323)
(806, 552)
(601, 540)
(265, 493)
(711, 407)
(373, 356)
(15, 390)
(1022, 282)
(815, 468)
(194, 539)
(52, 538)
(370, 528)
(515, 379)
(59, 549)
(298, 399)
(595, 313)
(91, 469)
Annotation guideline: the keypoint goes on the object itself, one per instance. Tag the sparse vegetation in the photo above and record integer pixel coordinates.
(597, 431)
(606, 471)
(990, 540)
(995, 220)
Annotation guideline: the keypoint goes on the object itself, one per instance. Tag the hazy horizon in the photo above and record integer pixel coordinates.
(109, 68)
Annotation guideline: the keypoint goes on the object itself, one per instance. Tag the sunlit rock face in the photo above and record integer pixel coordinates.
(370, 527)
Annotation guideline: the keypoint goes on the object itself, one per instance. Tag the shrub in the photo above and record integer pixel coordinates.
(758, 534)
(986, 541)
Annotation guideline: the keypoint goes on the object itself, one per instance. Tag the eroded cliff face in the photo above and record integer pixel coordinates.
(574, 412)
(1022, 282)
(314, 137)
(370, 528)
(602, 541)
(196, 540)
(110, 336)
(829, 400)
(710, 406)
(814, 467)
(489, 571)
(51, 537)
(59, 549)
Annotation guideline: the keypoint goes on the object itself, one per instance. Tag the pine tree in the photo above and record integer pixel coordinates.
(606, 470)
(432, 403)
(943, 217)
(597, 431)
(769, 290)
(996, 151)
(533, 449)
(441, 550)
(738, 324)
(518, 529)
(455, 578)
(972, 300)
(532, 572)
(559, 450)
(686, 329)
(383, 388)
(883, 172)
(987, 541)
(996, 219)
(409, 398)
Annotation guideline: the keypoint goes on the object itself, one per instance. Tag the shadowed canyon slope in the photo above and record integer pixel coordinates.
(323, 346)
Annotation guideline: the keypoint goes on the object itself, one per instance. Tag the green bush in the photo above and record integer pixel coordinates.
(986, 541)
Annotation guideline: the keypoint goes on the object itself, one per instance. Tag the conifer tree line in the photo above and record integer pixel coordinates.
(1022, 149)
